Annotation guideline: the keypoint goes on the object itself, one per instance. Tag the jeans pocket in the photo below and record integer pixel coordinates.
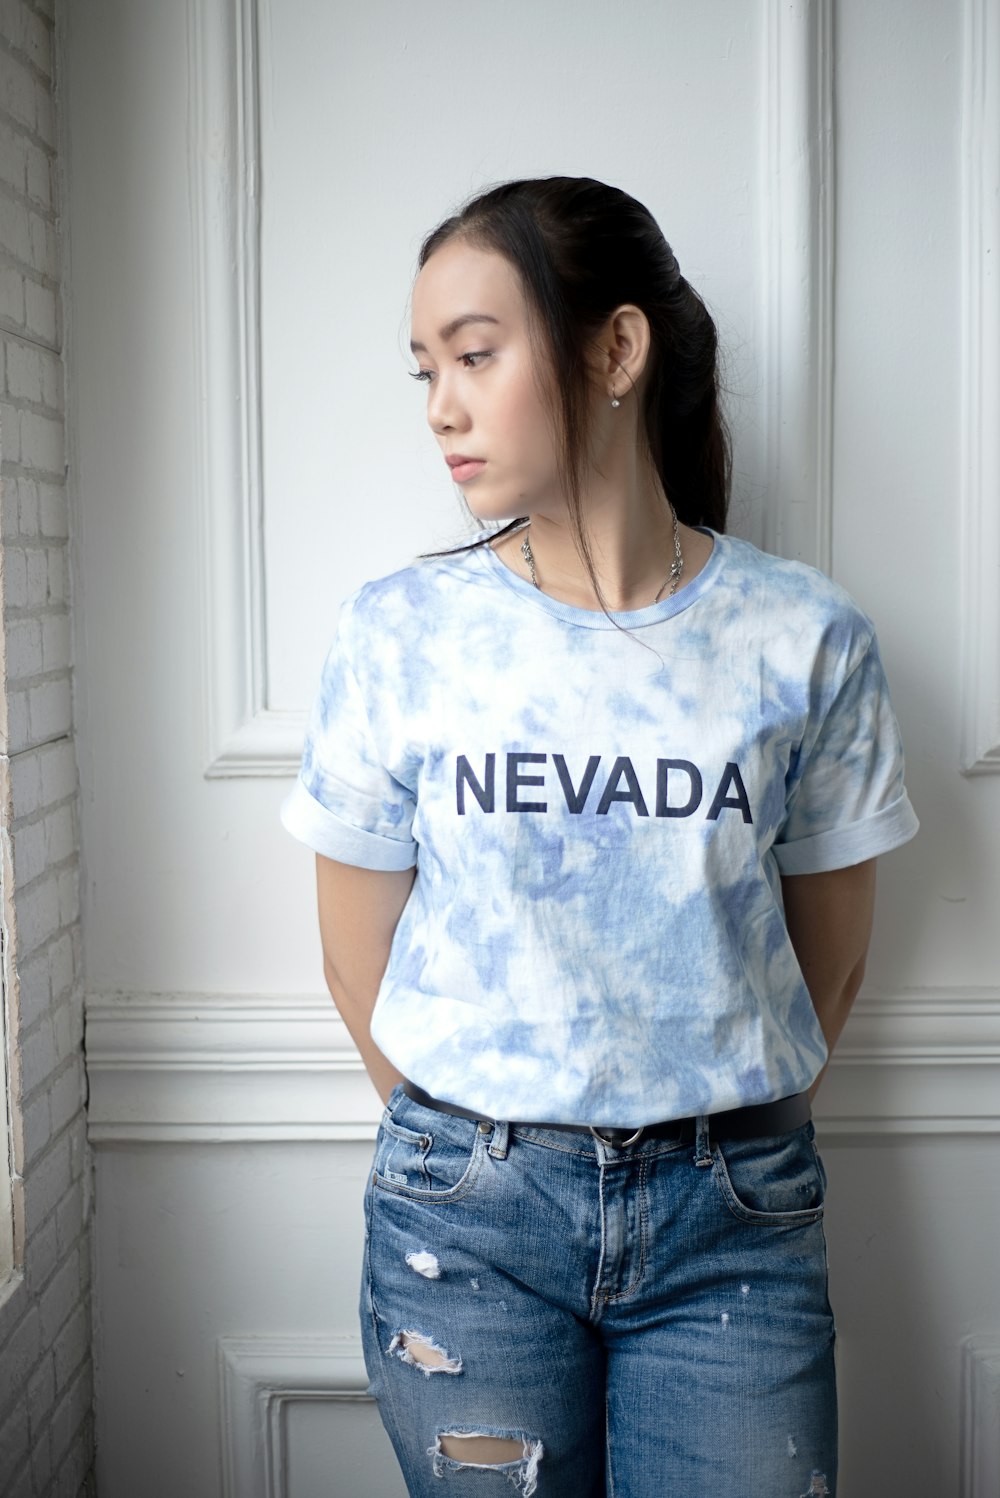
(778, 1180)
(427, 1155)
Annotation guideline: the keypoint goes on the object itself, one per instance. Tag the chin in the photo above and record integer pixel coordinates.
(495, 513)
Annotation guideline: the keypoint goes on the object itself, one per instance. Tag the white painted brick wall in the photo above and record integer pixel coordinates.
(46, 1381)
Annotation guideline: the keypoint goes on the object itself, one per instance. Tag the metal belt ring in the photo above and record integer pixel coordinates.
(610, 1142)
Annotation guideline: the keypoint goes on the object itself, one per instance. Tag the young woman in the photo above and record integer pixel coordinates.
(597, 800)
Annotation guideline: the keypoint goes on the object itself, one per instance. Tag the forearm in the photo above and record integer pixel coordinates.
(829, 919)
(355, 1009)
(359, 910)
(832, 1009)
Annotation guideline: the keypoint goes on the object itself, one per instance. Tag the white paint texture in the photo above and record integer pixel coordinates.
(46, 1378)
(193, 892)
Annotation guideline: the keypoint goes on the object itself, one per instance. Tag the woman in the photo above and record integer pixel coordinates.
(597, 801)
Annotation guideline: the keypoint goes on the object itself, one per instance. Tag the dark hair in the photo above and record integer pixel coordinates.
(581, 249)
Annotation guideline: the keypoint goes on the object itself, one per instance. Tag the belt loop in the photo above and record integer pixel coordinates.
(498, 1144)
(703, 1143)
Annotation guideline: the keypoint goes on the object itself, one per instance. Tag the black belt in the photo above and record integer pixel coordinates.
(757, 1119)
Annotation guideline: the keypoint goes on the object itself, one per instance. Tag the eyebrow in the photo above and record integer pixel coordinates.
(450, 329)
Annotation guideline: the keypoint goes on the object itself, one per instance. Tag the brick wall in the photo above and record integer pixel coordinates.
(46, 1390)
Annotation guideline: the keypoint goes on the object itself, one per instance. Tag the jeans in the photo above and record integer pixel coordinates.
(650, 1321)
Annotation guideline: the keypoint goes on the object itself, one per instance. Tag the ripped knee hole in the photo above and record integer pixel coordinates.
(485, 1451)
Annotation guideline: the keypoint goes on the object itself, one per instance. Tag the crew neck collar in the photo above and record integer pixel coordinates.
(654, 613)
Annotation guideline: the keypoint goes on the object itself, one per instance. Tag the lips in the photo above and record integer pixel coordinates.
(463, 467)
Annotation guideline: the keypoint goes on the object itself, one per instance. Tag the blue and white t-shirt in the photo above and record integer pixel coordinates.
(599, 822)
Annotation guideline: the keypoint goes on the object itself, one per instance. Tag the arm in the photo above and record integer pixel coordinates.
(829, 918)
(359, 910)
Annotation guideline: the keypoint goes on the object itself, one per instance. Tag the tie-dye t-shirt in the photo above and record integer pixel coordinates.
(599, 822)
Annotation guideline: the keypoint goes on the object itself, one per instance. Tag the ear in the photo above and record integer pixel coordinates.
(624, 342)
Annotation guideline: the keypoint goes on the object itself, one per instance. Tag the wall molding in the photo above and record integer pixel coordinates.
(979, 1420)
(244, 735)
(224, 1068)
(797, 191)
(979, 446)
(217, 1068)
(259, 1377)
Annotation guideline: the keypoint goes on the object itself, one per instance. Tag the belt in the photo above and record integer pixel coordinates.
(757, 1119)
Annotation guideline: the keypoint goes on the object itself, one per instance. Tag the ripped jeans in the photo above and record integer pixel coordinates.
(650, 1321)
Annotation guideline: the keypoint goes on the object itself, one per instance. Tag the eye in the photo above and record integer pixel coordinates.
(428, 375)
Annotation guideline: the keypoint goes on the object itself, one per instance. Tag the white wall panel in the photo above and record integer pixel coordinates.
(298, 1421)
(302, 358)
(316, 468)
(202, 1246)
(375, 122)
(899, 460)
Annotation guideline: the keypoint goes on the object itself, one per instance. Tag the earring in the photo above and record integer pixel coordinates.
(614, 400)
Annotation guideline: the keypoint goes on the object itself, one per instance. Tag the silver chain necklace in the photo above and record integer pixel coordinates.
(673, 577)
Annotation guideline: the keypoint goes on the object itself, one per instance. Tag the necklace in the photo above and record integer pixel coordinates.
(673, 577)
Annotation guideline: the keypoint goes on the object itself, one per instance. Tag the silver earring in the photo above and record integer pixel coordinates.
(614, 400)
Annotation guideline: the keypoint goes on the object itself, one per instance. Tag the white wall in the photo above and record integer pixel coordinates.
(804, 161)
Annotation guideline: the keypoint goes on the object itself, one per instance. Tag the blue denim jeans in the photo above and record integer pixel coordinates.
(650, 1321)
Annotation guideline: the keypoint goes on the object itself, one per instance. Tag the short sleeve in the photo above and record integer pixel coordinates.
(345, 804)
(845, 798)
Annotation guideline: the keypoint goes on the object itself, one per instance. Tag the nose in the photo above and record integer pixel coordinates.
(445, 411)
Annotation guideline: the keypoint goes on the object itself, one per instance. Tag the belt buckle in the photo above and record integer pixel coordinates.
(631, 1139)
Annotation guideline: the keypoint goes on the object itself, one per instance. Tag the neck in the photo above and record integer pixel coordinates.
(666, 589)
(629, 526)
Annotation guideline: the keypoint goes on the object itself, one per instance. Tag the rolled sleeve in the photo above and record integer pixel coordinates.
(845, 797)
(322, 830)
(842, 846)
(346, 803)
